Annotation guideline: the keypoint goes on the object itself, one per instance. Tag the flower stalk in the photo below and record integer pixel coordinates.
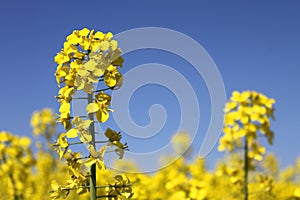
(93, 192)
(246, 168)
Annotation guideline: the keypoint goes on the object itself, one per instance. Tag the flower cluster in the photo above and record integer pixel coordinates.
(246, 115)
(44, 123)
(16, 160)
(87, 58)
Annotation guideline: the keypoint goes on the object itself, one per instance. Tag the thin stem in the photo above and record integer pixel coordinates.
(75, 143)
(113, 186)
(79, 98)
(80, 116)
(93, 192)
(81, 158)
(246, 168)
(87, 186)
(102, 196)
(99, 142)
(101, 90)
(71, 118)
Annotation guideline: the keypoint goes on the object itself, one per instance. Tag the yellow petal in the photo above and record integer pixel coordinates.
(54, 185)
(65, 107)
(89, 162)
(100, 164)
(24, 141)
(297, 192)
(87, 123)
(90, 65)
(92, 107)
(98, 71)
(92, 150)
(102, 116)
(85, 136)
(108, 35)
(99, 35)
(72, 133)
(114, 44)
(84, 32)
(105, 45)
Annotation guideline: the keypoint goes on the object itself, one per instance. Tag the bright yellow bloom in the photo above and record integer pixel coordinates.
(65, 94)
(61, 145)
(256, 151)
(297, 192)
(100, 107)
(74, 162)
(85, 56)
(114, 140)
(43, 122)
(57, 192)
(246, 115)
(96, 157)
(80, 129)
(112, 77)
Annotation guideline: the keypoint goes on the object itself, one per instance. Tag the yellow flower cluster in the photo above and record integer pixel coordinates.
(16, 160)
(193, 181)
(43, 122)
(86, 57)
(78, 181)
(26, 176)
(246, 115)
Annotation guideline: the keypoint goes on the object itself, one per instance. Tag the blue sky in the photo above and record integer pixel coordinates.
(255, 45)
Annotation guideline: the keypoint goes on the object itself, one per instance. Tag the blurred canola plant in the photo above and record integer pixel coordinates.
(25, 175)
(247, 115)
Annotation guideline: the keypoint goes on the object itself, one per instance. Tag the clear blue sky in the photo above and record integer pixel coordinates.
(255, 44)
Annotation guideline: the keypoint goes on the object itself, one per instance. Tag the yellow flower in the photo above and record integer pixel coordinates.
(73, 162)
(114, 140)
(80, 129)
(43, 122)
(112, 77)
(61, 58)
(121, 189)
(247, 115)
(65, 93)
(96, 157)
(5, 137)
(256, 151)
(60, 74)
(297, 192)
(57, 192)
(112, 135)
(100, 107)
(61, 145)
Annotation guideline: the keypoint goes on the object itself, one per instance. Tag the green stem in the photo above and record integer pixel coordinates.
(246, 168)
(93, 192)
(75, 143)
(107, 196)
(63, 187)
(102, 90)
